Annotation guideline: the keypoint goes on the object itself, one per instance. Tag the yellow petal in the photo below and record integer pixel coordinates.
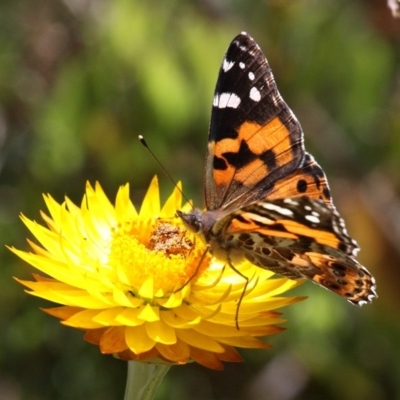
(151, 203)
(160, 332)
(129, 317)
(147, 288)
(170, 206)
(138, 340)
(199, 340)
(149, 313)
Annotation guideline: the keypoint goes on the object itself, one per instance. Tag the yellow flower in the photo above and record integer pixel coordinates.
(142, 287)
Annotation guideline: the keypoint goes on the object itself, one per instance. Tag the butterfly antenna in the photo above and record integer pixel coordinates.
(144, 143)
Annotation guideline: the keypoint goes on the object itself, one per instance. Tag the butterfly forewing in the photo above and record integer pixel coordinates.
(254, 138)
(267, 200)
(308, 180)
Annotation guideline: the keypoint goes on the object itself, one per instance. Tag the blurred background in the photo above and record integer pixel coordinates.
(81, 79)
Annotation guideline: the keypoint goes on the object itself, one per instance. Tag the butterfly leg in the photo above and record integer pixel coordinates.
(247, 280)
(203, 256)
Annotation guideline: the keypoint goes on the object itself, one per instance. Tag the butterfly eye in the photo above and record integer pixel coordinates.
(192, 220)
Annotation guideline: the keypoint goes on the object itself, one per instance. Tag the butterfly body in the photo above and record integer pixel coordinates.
(267, 199)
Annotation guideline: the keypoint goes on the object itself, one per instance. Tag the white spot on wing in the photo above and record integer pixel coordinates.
(280, 210)
(260, 219)
(234, 101)
(226, 100)
(255, 94)
(227, 65)
(251, 76)
(215, 100)
(242, 65)
(312, 218)
(288, 200)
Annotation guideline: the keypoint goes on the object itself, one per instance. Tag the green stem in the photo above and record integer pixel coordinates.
(143, 380)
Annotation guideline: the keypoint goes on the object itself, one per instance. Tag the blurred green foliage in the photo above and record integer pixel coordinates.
(81, 79)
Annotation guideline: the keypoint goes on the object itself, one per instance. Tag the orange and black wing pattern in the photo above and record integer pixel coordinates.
(300, 238)
(255, 144)
(267, 199)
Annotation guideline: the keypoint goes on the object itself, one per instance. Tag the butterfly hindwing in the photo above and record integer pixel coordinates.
(299, 238)
(301, 224)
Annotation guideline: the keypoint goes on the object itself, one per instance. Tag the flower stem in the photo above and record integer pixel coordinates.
(143, 380)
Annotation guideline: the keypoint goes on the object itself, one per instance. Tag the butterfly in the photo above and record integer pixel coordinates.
(267, 200)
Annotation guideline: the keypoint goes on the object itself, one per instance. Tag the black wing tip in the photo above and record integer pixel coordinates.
(243, 38)
(246, 35)
(243, 43)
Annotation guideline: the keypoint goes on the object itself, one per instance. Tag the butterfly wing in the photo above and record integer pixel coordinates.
(299, 238)
(308, 180)
(255, 144)
(267, 199)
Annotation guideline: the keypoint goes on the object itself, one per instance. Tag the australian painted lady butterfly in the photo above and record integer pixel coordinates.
(267, 199)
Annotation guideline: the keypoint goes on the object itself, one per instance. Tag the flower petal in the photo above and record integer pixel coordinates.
(198, 340)
(160, 332)
(178, 352)
(151, 203)
(138, 340)
(113, 340)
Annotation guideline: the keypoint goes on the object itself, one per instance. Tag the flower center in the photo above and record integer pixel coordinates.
(158, 250)
(170, 239)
